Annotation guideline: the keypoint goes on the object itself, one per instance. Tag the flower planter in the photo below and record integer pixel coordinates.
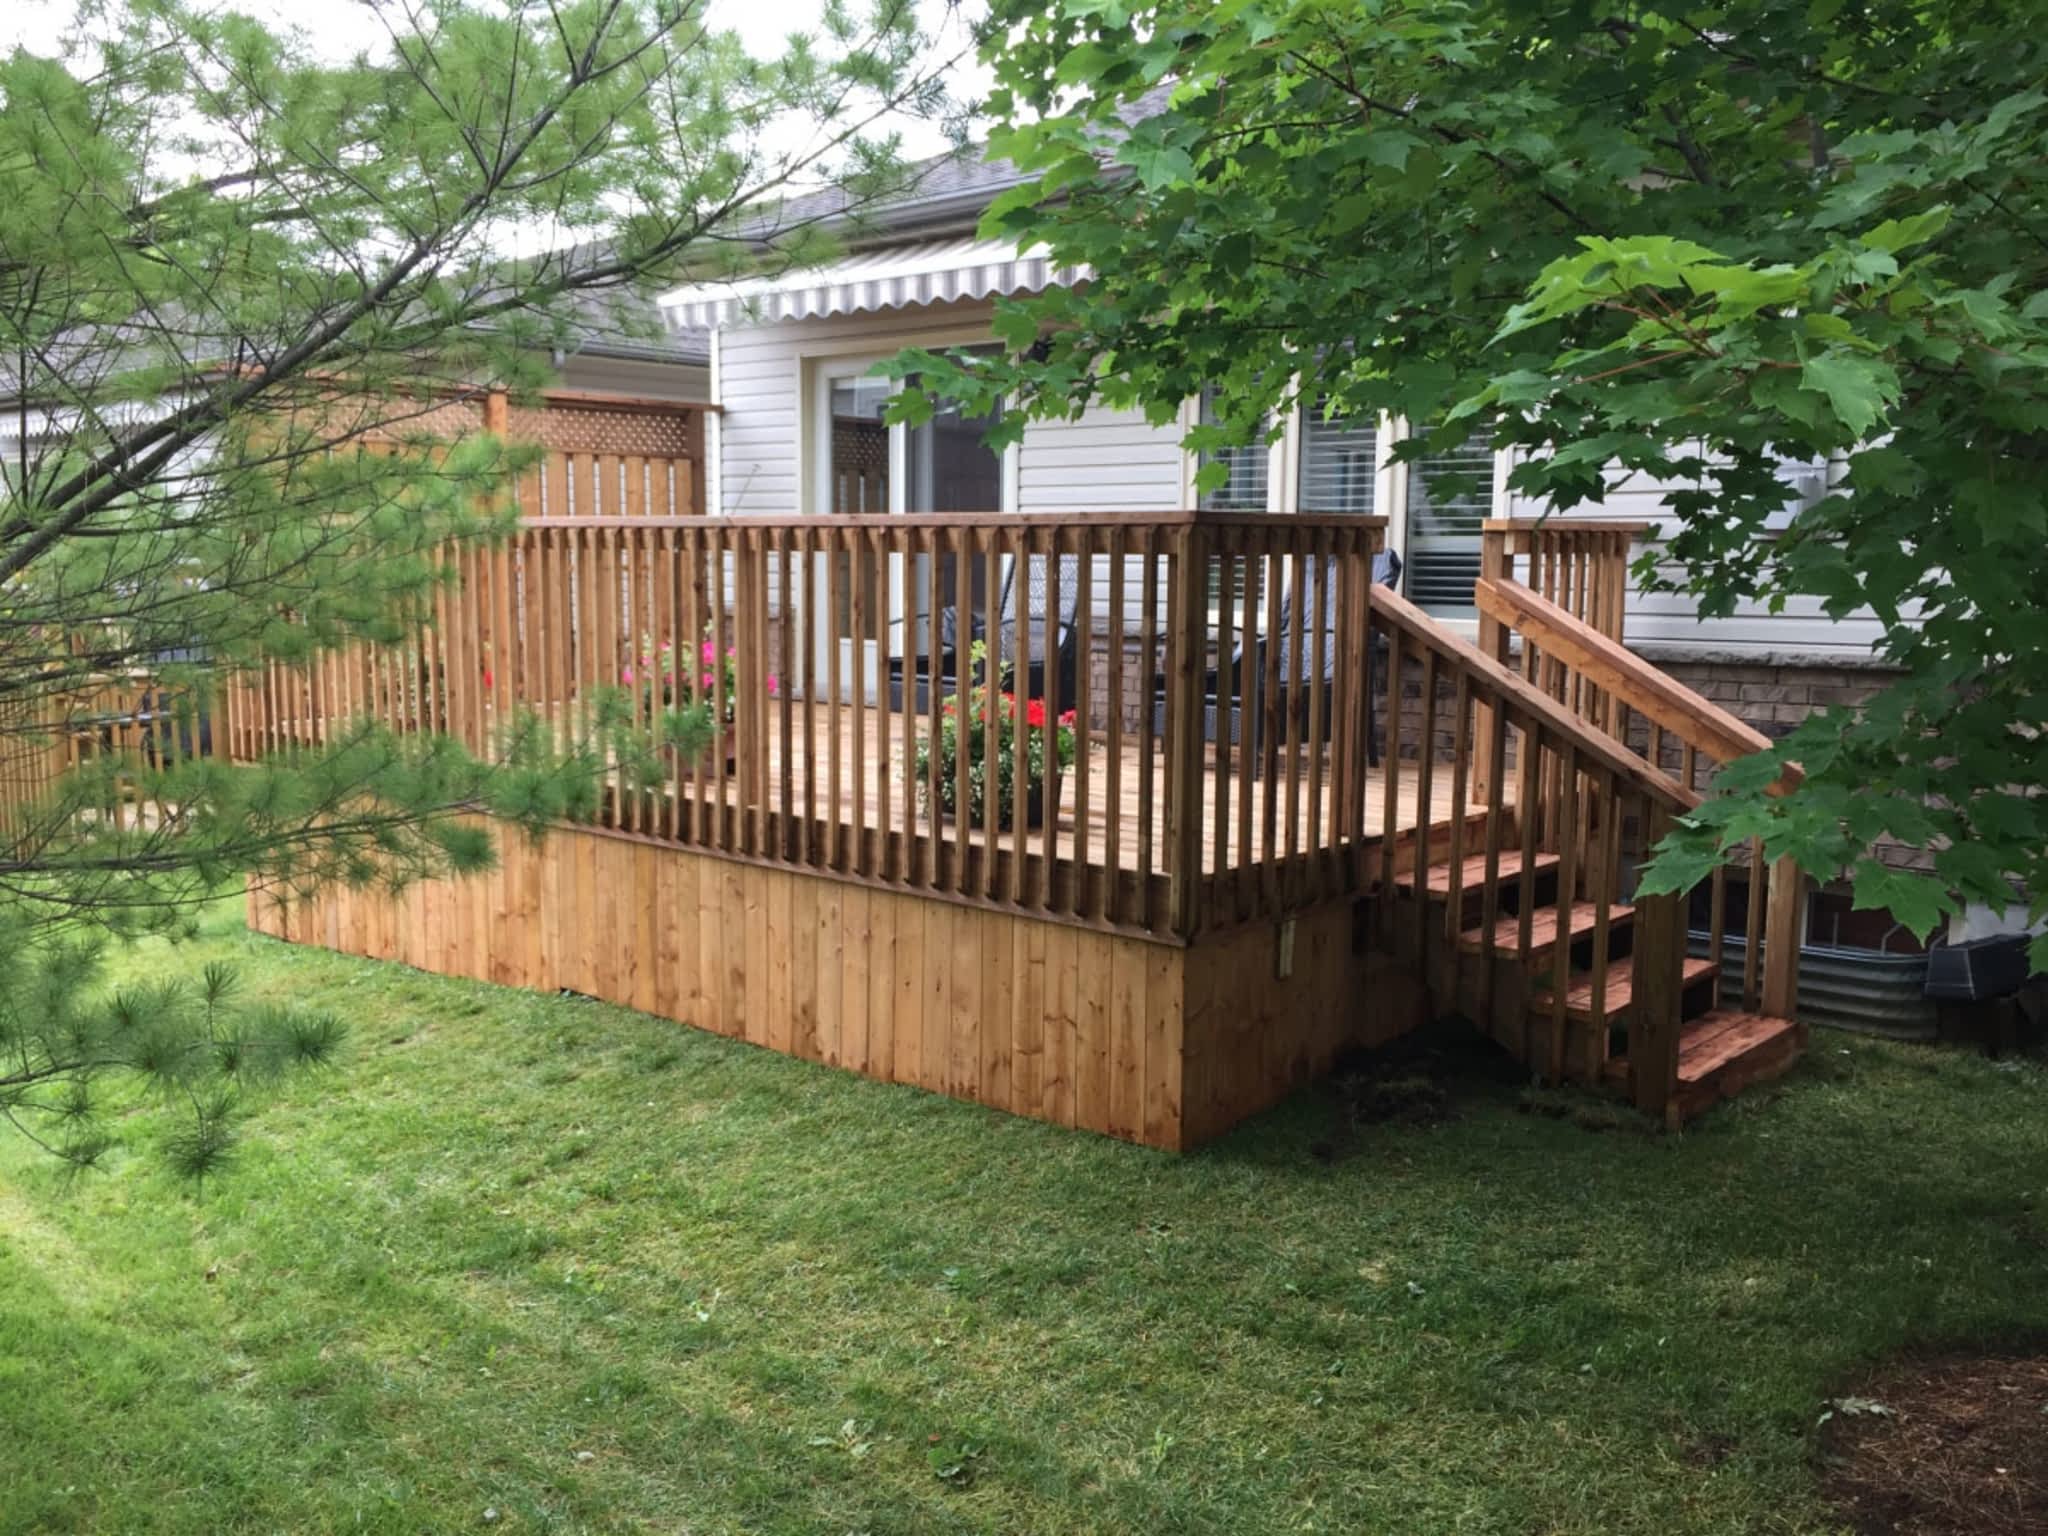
(704, 764)
(940, 812)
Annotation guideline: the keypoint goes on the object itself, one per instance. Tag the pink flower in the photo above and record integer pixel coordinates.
(709, 680)
(710, 651)
(773, 685)
(626, 676)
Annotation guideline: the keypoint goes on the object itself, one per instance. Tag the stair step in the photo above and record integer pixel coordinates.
(1544, 923)
(1714, 1042)
(1720, 1054)
(1472, 874)
(1621, 988)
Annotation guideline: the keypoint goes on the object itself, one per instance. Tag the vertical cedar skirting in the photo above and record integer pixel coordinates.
(1147, 1041)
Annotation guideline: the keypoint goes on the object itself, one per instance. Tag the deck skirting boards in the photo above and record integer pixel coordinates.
(1149, 1042)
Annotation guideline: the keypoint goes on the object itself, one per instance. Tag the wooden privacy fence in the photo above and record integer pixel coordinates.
(1176, 732)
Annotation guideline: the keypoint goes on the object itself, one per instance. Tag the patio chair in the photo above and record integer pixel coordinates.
(949, 631)
(1225, 720)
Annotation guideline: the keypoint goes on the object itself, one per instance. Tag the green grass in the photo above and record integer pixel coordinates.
(601, 1273)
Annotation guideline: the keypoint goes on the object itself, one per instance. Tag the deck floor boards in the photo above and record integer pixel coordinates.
(883, 801)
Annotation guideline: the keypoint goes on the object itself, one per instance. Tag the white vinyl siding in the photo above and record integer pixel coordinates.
(1107, 461)
(1668, 623)
(763, 393)
(1115, 461)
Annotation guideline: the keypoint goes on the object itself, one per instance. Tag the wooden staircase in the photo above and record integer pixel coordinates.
(1721, 1049)
(1520, 910)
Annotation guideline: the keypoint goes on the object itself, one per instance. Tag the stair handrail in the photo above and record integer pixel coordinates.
(1703, 729)
(1644, 688)
(1511, 689)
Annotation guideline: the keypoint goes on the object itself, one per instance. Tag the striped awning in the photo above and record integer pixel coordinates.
(904, 276)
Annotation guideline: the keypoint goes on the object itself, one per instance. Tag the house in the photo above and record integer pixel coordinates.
(799, 428)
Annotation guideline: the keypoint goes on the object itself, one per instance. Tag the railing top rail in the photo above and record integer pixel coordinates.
(910, 521)
(1564, 525)
(1512, 693)
(1612, 666)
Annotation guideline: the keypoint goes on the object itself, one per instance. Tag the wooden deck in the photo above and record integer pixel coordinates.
(1105, 814)
(1174, 934)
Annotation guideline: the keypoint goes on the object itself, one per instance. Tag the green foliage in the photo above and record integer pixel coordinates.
(1698, 244)
(76, 1052)
(242, 286)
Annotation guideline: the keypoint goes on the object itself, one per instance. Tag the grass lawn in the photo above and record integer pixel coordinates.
(599, 1273)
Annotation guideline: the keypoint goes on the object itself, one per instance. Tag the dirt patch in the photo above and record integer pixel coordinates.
(1418, 1080)
(1942, 1447)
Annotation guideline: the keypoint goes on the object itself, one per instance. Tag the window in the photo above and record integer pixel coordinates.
(1450, 496)
(1246, 486)
(1339, 462)
(1436, 507)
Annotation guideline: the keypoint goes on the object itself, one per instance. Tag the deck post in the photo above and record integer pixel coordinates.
(1494, 561)
(1784, 929)
(1188, 634)
(1658, 1011)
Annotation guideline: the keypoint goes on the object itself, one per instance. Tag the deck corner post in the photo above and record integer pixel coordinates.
(1187, 642)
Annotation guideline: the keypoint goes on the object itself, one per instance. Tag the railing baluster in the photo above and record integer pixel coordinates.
(934, 816)
(874, 548)
(1148, 660)
(1322, 563)
(1084, 902)
(1390, 780)
(1215, 725)
(835, 802)
(1753, 925)
(1605, 884)
(1240, 730)
(1567, 893)
(722, 703)
(1020, 649)
(852, 542)
(1117, 574)
(1496, 744)
(1269, 726)
(1425, 804)
(1461, 766)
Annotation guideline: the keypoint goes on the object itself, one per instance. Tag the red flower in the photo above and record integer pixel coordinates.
(1067, 717)
(1034, 712)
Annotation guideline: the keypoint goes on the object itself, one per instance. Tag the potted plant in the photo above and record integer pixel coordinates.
(688, 695)
(1022, 732)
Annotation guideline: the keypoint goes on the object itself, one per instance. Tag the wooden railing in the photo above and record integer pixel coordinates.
(133, 724)
(1566, 791)
(1212, 771)
(1579, 563)
(1673, 729)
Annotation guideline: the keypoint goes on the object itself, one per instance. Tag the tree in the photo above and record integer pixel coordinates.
(236, 280)
(1698, 241)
